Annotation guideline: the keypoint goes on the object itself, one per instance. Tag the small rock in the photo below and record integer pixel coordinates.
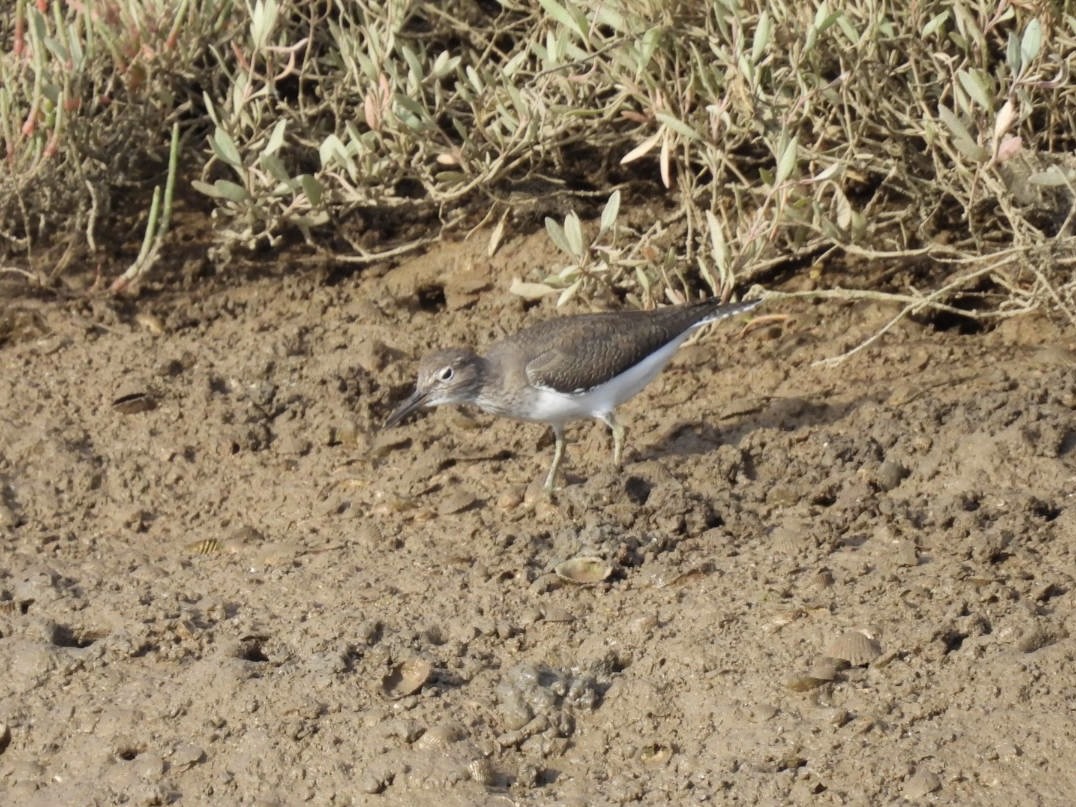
(345, 433)
(922, 783)
(804, 683)
(374, 356)
(456, 502)
(836, 717)
(185, 756)
(293, 445)
(643, 625)
(510, 499)
(149, 765)
(8, 518)
(907, 555)
(825, 668)
(527, 776)
(889, 474)
(1040, 636)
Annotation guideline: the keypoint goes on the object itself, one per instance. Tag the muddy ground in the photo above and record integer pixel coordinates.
(219, 585)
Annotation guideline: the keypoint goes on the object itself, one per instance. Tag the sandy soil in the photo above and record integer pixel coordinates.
(220, 585)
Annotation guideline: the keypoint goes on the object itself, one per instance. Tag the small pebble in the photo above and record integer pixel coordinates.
(643, 625)
(889, 474)
(510, 499)
(922, 783)
(456, 502)
(186, 756)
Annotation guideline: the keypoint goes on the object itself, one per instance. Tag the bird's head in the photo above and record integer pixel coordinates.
(444, 377)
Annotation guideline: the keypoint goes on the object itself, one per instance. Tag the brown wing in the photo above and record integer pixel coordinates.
(574, 354)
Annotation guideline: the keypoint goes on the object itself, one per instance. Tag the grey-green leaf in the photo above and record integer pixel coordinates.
(573, 231)
(762, 37)
(556, 235)
(1052, 177)
(609, 212)
(1031, 42)
(787, 163)
(975, 85)
(276, 138)
(962, 138)
(312, 189)
(222, 189)
(224, 147)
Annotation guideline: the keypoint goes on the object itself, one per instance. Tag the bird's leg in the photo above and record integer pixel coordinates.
(558, 454)
(618, 436)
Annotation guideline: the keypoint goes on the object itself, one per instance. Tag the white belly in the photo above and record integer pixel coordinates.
(550, 406)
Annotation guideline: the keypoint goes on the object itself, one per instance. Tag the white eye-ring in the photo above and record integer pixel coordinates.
(446, 374)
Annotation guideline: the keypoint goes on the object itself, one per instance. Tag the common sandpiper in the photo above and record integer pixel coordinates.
(565, 369)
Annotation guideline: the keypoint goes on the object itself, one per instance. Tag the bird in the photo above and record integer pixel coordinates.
(564, 369)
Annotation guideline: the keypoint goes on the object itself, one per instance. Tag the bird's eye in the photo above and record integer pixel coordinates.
(446, 374)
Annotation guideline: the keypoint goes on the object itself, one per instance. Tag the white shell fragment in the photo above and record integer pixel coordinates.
(854, 646)
(405, 678)
(583, 570)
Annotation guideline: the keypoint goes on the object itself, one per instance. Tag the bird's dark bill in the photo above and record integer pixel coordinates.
(416, 401)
